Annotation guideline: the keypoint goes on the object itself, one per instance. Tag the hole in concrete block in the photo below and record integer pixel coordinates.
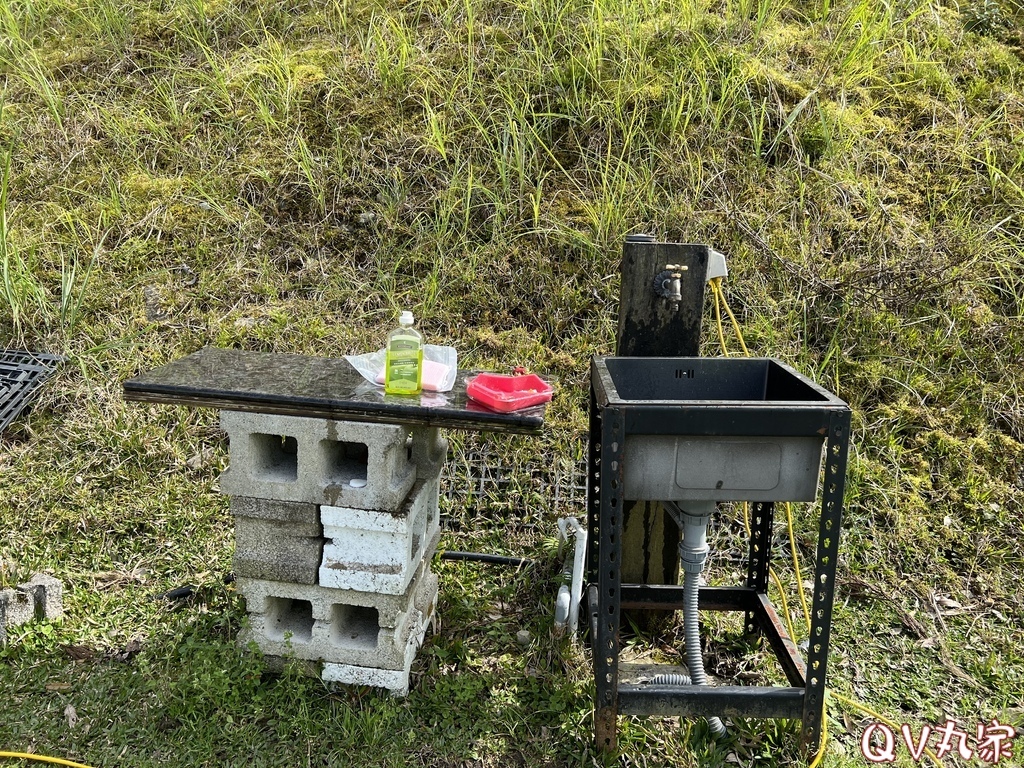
(289, 617)
(354, 626)
(275, 458)
(345, 461)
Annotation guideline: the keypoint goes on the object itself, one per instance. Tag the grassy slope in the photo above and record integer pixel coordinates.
(287, 176)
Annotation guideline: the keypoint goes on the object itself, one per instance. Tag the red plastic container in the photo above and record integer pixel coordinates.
(508, 393)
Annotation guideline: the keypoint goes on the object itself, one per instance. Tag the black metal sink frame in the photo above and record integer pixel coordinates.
(728, 398)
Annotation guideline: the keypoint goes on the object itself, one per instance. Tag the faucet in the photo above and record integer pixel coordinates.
(668, 284)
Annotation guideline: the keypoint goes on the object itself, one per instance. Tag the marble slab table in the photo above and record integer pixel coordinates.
(328, 388)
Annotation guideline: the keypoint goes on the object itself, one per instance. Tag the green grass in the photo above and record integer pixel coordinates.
(286, 177)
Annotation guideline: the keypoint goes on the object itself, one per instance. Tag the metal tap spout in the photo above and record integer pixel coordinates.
(669, 284)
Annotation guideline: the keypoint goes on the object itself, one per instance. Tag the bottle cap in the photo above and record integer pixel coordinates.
(406, 318)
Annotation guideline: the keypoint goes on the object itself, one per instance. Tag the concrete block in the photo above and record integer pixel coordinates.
(392, 610)
(428, 451)
(379, 579)
(52, 596)
(350, 634)
(49, 595)
(267, 549)
(392, 677)
(395, 679)
(277, 540)
(17, 607)
(41, 597)
(351, 637)
(302, 515)
(373, 551)
(289, 458)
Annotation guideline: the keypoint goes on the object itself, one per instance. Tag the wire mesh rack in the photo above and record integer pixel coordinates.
(478, 477)
(21, 375)
(481, 480)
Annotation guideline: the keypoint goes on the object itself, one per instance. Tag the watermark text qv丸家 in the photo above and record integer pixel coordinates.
(990, 742)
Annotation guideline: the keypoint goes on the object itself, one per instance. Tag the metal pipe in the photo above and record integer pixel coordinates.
(483, 557)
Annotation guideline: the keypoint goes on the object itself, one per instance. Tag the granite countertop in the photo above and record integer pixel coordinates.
(319, 387)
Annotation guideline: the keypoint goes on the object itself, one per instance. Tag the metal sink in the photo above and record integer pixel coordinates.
(716, 429)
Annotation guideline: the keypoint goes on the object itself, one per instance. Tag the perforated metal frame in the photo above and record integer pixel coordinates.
(611, 421)
(21, 375)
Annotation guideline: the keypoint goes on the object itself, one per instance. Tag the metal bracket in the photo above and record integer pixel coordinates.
(716, 265)
(567, 601)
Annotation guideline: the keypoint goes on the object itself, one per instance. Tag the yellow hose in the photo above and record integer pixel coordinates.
(732, 317)
(796, 567)
(824, 737)
(785, 604)
(716, 292)
(882, 719)
(716, 289)
(41, 759)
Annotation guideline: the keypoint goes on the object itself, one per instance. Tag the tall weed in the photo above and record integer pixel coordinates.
(20, 291)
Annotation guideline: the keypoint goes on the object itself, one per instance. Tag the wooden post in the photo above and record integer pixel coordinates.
(652, 325)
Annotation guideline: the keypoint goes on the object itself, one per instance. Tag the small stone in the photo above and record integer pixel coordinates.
(367, 218)
(523, 637)
(52, 598)
(17, 606)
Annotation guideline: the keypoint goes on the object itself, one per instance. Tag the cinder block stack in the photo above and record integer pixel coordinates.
(335, 526)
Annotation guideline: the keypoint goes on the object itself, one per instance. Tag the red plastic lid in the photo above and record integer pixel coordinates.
(508, 393)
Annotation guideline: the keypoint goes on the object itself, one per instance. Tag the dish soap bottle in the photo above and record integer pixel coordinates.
(403, 363)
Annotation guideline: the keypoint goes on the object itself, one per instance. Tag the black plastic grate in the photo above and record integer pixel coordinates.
(21, 376)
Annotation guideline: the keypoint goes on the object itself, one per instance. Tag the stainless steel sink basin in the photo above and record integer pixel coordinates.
(721, 428)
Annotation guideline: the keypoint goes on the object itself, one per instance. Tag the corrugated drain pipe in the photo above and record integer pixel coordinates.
(693, 551)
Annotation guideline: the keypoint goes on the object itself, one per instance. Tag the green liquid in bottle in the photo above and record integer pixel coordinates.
(403, 364)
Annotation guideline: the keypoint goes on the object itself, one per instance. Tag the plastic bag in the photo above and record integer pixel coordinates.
(438, 377)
